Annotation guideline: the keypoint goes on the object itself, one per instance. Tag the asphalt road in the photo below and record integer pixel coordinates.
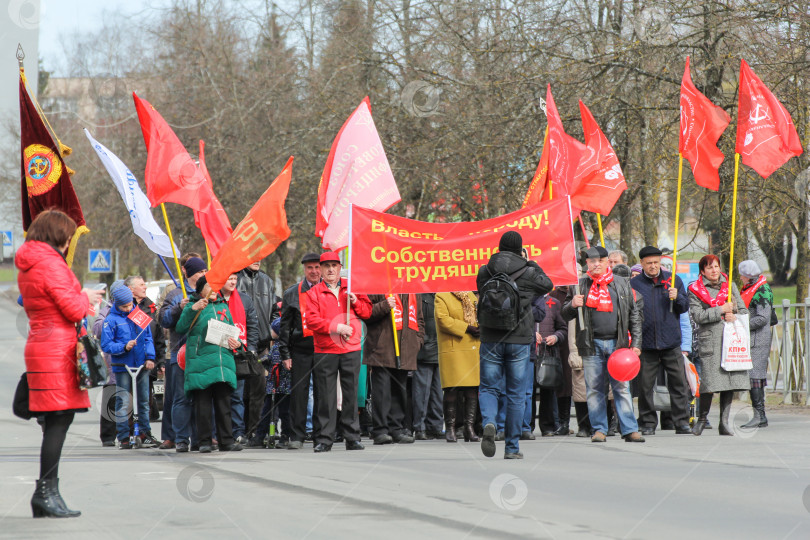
(748, 486)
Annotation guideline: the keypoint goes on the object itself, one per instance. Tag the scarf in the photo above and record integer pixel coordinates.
(701, 292)
(237, 310)
(413, 323)
(468, 307)
(750, 291)
(599, 295)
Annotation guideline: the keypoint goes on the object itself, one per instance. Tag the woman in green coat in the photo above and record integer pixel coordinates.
(210, 370)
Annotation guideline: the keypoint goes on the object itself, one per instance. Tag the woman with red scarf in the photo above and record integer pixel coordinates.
(710, 304)
(758, 298)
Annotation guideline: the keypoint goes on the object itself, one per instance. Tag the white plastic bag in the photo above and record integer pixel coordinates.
(736, 345)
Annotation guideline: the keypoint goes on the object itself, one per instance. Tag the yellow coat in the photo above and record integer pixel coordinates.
(458, 350)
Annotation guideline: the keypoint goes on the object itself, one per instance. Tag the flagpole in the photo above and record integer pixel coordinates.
(601, 233)
(394, 327)
(207, 253)
(166, 266)
(677, 222)
(174, 251)
(733, 224)
(348, 269)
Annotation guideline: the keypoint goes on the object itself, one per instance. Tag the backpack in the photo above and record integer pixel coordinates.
(499, 301)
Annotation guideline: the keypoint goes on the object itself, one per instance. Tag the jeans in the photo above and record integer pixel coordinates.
(238, 410)
(596, 381)
(427, 398)
(181, 405)
(310, 405)
(123, 387)
(529, 404)
(504, 364)
(500, 417)
(166, 430)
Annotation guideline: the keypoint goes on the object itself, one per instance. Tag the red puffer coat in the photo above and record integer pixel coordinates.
(54, 303)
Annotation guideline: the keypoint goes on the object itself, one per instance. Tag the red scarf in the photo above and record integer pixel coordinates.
(237, 310)
(413, 323)
(749, 292)
(599, 295)
(700, 291)
(302, 308)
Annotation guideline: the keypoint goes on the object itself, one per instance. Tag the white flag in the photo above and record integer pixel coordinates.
(137, 204)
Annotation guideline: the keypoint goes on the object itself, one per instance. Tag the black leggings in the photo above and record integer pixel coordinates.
(54, 430)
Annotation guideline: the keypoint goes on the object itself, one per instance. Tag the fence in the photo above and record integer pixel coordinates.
(790, 354)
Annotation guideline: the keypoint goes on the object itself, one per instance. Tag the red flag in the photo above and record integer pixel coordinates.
(356, 172)
(766, 136)
(564, 152)
(599, 180)
(171, 175)
(45, 179)
(538, 189)
(140, 318)
(212, 221)
(702, 123)
(256, 236)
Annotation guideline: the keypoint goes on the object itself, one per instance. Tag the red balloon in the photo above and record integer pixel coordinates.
(181, 357)
(623, 364)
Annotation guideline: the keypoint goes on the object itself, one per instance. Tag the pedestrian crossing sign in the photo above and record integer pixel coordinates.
(7, 238)
(100, 261)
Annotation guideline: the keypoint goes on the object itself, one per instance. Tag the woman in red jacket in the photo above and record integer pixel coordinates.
(54, 303)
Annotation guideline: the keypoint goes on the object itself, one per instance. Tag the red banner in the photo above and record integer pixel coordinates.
(392, 254)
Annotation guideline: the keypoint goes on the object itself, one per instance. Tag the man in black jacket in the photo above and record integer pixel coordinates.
(427, 386)
(610, 314)
(259, 287)
(505, 352)
(296, 349)
(661, 335)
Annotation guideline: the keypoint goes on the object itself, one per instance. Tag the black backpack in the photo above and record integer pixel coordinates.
(499, 301)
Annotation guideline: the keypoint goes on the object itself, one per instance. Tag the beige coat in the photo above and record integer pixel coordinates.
(459, 363)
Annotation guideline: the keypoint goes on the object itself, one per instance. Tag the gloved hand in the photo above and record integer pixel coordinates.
(474, 331)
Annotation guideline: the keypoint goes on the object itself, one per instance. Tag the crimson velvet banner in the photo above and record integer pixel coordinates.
(392, 254)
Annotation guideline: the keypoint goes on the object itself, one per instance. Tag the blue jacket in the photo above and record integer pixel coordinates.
(117, 332)
(661, 329)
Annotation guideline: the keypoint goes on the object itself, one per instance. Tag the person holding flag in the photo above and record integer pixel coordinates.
(127, 338)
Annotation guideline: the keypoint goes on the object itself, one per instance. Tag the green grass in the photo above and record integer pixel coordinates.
(7, 274)
(780, 293)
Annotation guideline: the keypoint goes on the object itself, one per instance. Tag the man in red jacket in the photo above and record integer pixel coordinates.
(337, 348)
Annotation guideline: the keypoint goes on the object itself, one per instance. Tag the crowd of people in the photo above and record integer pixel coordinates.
(323, 365)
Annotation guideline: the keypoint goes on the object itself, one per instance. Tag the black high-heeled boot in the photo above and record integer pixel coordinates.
(704, 407)
(470, 408)
(758, 403)
(449, 402)
(725, 409)
(47, 502)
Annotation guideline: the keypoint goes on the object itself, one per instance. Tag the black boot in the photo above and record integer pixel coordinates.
(470, 408)
(613, 419)
(758, 403)
(583, 420)
(704, 407)
(564, 412)
(47, 502)
(725, 408)
(449, 402)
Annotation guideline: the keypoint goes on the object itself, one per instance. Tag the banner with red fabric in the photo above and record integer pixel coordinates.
(392, 254)
(212, 221)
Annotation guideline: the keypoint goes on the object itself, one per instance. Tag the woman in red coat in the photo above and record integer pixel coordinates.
(54, 303)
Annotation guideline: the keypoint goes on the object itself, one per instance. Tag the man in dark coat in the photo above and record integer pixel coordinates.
(610, 314)
(296, 349)
(505, 352)
(427, 386)
(259, 287)
(389, 375)
(661, 336)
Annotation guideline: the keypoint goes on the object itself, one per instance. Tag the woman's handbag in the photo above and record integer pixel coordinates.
(247, 364)
(89, 360)
(548, 370)
(20, 404)
(661, 400)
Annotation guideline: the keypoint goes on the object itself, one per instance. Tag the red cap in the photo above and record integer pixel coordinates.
(330, 256)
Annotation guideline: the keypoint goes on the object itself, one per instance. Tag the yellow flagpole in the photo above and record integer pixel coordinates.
(174, 252)
(394, 328)
(601, 233)
(208, 254)
(733, 224)
(677, 224)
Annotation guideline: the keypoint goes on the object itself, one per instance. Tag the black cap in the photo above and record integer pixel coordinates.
(595, 252)
(621, 270)
(649, 251)
(311, 257)
(511, 241)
